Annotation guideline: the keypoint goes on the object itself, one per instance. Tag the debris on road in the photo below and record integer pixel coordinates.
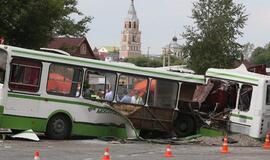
(28, 134)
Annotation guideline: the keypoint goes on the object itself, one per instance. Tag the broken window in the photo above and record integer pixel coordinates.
(268, 95)
(163, 93)
(99, 85)
(3, 62)
(25, 75)
(64, 80)
(245, 98)
(132, 89)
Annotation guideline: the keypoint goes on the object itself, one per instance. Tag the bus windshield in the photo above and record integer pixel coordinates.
(3, 62)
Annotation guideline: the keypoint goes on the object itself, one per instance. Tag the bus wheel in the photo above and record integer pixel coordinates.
(184, 125)
(58, 127)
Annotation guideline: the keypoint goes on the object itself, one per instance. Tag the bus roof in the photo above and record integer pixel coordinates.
(240, 74)
(111, 66)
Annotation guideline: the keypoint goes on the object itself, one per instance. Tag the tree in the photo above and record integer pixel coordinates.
(212, 41)
(247, 50)
(261, 55)
(33, 23)
(143, 61)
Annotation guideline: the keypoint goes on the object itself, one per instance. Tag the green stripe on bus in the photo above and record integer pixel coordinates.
(101, 64)
(83, 129)
(86, 129)
(61, 101)
(235, 76)
(241, 116)
(23, 123)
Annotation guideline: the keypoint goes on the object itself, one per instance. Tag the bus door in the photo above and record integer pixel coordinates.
(266, 113)
(24, 81)
(3, 62)
(242, 117)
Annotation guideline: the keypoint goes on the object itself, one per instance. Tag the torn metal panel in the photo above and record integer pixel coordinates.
(28, 134)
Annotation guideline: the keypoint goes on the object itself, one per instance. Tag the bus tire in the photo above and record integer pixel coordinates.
(184, 125)
(59, 127)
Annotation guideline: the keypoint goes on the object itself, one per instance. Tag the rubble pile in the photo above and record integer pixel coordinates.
(233, 140)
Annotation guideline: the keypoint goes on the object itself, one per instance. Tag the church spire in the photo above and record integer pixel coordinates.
(131, 35)
(132, 16)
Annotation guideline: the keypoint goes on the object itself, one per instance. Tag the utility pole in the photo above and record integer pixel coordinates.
(148, 48)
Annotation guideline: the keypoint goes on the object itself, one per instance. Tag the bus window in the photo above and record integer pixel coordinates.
(64, 80)
(268, 95)
(3, 62)
(99, 85)
(132, 89)
(25, 75)
(245, 98)
(163, 93)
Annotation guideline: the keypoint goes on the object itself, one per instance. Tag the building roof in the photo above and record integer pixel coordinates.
(173, 45)
(73, 44)
(58, 42)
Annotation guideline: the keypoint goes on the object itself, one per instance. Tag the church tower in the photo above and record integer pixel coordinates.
(130, 36)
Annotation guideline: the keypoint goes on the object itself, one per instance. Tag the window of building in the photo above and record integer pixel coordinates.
(64, 80)
(3, 63)
(163, 93)
(83, 49)
(133, 38)
(25, 75)
(99, 85)
(132, 89)
(129, 24)
(134, 25)
(245, 97)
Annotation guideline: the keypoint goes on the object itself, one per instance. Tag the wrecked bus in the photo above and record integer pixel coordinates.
(246, 96)
(62, 95)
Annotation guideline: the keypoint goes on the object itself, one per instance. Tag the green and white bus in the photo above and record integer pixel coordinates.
(62, 95)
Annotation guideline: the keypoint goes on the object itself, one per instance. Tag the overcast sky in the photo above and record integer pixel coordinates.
(160, 20)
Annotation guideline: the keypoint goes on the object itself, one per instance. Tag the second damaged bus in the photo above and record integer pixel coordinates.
(62, 95)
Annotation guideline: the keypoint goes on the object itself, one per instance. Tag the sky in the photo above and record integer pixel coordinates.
(160, 20)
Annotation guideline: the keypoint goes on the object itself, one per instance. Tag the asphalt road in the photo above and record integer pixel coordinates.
(94, 150)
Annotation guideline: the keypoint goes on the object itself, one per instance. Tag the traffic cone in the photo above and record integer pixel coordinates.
(168, 152)
(36, 155)
(225, 148)
(266, 144)
(106, 154)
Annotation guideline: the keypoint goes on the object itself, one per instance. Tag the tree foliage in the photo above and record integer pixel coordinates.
(261, 55)
(212, 41)
(33, 23)
(144, 61)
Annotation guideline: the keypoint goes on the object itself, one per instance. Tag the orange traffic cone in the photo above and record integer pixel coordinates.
(225, 148)
(36, 155)
(168, 152)
(106, 154)
(266, 144)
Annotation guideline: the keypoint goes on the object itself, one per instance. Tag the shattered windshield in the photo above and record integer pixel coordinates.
(3, 62)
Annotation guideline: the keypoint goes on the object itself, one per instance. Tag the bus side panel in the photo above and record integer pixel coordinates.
(87, 119)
